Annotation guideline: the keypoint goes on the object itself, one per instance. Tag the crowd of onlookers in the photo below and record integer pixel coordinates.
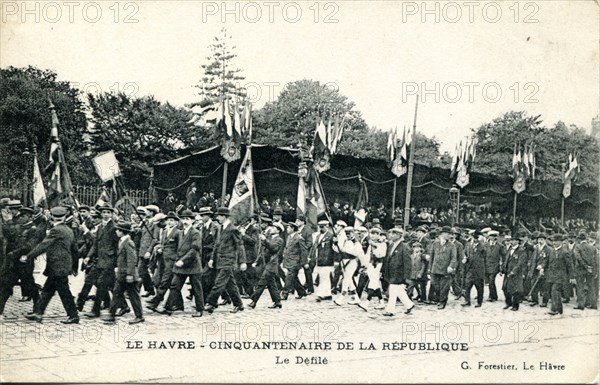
(470, 215)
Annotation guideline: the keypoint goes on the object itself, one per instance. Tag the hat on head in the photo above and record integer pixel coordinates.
(293, 224)
(4, 202)
(349, 229)
(395, 230)
(341, 223)
(265, 218)
(153, 208)
(557, 237)
(279, 227)
(417, 245)
(58, 211)
(205, 210)
(141, 210)
(477, 234)
(123, 226)
(398, 221)
(542, 235)
(39, 214)
(572, 235)
(376, 221)
(104, 207)
(278, 211)
(323, 223)
(446, 229)
(486, 230)
(27, 210)
(159, 217)
(375, 230)
(172, 215)
(84, 208)
(14, 204)
(582, 235)
(456, 230)
(493, 233)
(301, 217)
(187, 214)
(421, 228)
(223, 211)
(362, 228)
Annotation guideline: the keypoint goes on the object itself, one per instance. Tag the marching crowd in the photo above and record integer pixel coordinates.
(152, 254)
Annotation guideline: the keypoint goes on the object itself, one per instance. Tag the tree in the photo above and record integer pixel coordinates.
(25, 119)
(552, 145)
(292, 118)
(141, 131)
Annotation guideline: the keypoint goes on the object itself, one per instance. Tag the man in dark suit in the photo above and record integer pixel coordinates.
(59, 246)
(443, 266)
(306, 231)
(494, 259)
(188, 264)
(126, 276)
(514, 272)
(150, 233)
(271, 253)
(474, 269)
(247, 279)
(228, 254)
(295, 256)
(559, 272)
(586, 268)
(539, 261)
(104, 252)
(167, 249)
(210, 231)
(396, 269)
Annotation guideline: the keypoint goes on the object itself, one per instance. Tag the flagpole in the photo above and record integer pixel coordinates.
(411, 165)
(394, 198)
(562, 211)
(224, 187)
(514, 221)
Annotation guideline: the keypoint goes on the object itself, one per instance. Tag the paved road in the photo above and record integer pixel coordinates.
(205, 349)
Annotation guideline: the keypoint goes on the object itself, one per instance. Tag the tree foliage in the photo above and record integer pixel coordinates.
(141, 131)
(25, 119)
(496, 141)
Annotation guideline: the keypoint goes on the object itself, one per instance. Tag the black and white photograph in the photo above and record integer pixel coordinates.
(299, 191)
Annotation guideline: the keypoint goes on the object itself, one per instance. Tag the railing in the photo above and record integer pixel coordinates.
(85, 195)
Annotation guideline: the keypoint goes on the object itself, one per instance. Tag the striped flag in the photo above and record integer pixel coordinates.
(39, 192)
(242, 202)
(60, 185)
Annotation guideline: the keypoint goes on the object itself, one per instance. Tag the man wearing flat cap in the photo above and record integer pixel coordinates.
(295, 257)
(104, 255)
(59, 246)
(586, 270)
(209, 231)
(474, 269)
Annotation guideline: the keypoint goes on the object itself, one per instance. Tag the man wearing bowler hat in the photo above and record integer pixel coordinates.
(494, 259)
(539, 261)
(474, 269)
(59, 246)
(443, 267)
(228, 255)
(586, 268)
(514, 271)
(209, 231)
(127, 275)
(558, 273)
(188, 264)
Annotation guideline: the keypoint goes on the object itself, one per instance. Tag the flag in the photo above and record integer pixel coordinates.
(462, 179)
(237, 119)
(531, 158)
(320, 152)
(311, 202)
(570, 174)
(227, 119)
(103, 198)
(60, 182)
(338, 131)
(526, 161)
(518, 174)
(454, 161)
(400, 163)
(106, 165)
(391, 145)
(242, 202)
(248, 120)
(39, 192)
(231, 145)
(361, 213)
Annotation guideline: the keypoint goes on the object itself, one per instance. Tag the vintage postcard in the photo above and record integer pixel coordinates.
(299, 191)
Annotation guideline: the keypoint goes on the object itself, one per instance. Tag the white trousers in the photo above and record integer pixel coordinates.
(347, 282)
(324, 274)
(398, 292)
